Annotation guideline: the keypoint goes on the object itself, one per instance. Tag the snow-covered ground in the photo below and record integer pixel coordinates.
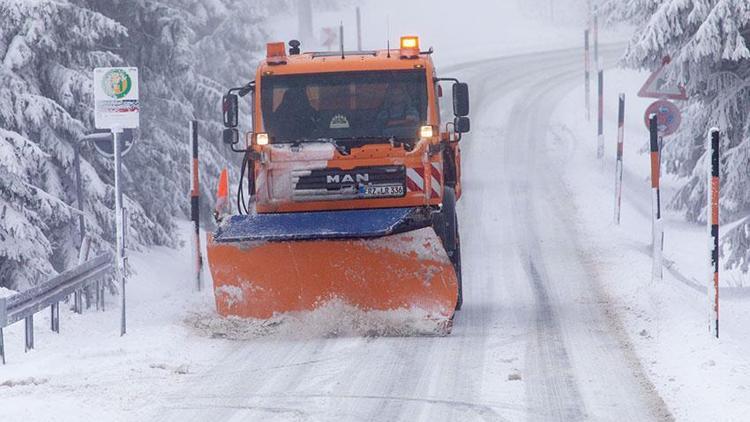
(561, 320)
(699, 377)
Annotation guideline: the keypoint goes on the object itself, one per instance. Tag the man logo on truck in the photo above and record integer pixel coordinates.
(347, 178)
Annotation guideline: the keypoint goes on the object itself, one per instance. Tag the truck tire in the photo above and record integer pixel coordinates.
(456, 260)
(445, 224)
(450, 219)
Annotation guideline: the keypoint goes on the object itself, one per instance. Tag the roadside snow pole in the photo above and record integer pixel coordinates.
(596, 39)
(618, 165)
(712, 194)
(195, 207)
(600, 131)
(656, 228)
(587, 74)
(359, 30)
(117, 107)
(305, 21)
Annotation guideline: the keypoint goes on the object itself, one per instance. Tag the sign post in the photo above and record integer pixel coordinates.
(117, 107)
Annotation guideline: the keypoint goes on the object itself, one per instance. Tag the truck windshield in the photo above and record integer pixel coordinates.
(377, 105)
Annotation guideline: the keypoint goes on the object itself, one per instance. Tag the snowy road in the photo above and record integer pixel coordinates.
(536, 338)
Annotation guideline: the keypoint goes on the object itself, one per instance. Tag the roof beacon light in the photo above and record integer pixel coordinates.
(276, 53)
(409, 47)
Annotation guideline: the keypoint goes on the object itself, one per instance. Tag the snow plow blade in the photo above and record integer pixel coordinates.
(374, 260)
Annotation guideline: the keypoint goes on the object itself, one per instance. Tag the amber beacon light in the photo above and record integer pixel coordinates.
(409, 46)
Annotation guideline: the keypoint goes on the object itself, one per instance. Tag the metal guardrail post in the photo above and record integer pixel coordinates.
(3, 321)
(78, 302)
(49, 294)
(55, 317)
(29, 332)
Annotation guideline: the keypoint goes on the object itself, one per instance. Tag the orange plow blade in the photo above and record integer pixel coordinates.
(405, 270)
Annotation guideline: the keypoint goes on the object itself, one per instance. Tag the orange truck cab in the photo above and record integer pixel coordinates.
(340, 137)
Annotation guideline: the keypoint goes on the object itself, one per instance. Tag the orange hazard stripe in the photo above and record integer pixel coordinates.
(654, 169)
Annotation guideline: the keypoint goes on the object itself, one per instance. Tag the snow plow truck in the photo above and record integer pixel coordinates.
(348, 186)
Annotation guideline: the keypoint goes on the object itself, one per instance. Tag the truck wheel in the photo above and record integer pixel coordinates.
(456, 261)
(450, 220)
(445, 224)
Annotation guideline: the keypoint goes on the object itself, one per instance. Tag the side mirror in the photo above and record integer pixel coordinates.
(461, 99)
(230, 108)
(462, 124)
(231, 136)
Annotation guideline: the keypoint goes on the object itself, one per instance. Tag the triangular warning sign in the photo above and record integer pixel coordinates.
(658, 87)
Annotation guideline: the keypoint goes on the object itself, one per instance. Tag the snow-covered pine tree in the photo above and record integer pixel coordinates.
(708, 41)
(188, 52)
(47, 51)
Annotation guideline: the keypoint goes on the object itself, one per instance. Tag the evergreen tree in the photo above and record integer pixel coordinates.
(708, 42)
(47, 51)
(189, 52)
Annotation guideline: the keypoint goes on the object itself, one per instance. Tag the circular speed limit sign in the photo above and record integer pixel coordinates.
(668, 116)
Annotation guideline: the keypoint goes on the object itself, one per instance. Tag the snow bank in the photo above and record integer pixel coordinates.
(333, 319)
(700, 378)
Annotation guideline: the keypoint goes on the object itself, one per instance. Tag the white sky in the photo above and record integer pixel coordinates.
(457, 30)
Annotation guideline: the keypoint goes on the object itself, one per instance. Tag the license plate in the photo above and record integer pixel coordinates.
(382, 191)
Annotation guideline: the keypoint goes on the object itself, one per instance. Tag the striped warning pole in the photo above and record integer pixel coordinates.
(587, 74)
(596, 38)
(656, 228)
(600, 131)
(618, 165)
(195, 206)
(713, 224)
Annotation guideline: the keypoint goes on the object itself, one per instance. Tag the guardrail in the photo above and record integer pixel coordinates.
(49, 295)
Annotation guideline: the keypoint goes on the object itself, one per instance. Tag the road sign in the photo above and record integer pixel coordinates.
(116, 98)
(329, 37)
(657, 85)
(668, 116)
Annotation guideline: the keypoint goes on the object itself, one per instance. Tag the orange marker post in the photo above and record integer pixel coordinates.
(657, 237)
(195, 206)
(713, 228)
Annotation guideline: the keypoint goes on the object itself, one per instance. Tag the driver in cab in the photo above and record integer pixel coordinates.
(397, 109)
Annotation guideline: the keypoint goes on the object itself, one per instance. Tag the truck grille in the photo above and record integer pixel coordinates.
(335, 184)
